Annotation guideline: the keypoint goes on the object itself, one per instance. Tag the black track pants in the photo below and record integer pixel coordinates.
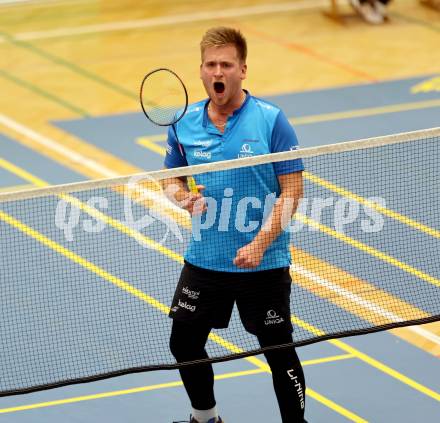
(187, 343)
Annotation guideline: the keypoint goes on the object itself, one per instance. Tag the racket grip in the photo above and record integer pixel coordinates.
(192, 184)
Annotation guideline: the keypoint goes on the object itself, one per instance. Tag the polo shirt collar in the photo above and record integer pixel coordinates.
(234, 115)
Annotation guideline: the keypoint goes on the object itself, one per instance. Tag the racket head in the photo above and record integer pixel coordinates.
(163, 97)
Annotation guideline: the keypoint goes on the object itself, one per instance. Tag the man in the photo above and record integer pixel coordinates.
(229, 264)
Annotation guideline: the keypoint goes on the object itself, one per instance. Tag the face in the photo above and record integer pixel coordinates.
(222, 73)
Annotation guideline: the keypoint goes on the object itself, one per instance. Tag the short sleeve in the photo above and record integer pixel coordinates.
(174, 156)
(284, 139)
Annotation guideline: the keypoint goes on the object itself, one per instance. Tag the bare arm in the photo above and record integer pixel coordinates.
(291, 192)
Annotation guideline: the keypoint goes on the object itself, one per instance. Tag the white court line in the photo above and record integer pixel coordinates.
(74, 156)
(362, 302)
(46, 142)
(13, 2)
(173, 20)
(40, 3)
(9, 2)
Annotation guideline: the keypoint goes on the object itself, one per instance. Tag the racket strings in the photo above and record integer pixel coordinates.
(163, 97)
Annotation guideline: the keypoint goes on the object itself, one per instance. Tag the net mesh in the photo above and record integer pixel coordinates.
(89, 271)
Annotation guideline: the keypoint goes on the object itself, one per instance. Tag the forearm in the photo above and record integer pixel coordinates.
(279, 218)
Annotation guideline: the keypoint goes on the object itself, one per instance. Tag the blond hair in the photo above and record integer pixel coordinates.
(221, 36)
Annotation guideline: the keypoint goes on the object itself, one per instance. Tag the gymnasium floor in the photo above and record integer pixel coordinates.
(69, 76)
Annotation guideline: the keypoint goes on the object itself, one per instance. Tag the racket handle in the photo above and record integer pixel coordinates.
(192, 184)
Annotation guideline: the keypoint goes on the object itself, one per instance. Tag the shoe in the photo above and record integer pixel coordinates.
(382, 9)
(193, 420)
(368, 12)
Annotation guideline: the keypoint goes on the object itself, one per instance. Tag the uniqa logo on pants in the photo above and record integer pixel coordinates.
(273, 318)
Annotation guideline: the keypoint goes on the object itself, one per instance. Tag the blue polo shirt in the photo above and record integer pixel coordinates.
(239, 199)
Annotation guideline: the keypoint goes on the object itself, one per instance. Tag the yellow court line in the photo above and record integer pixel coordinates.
(369, 250)
(175, 384)
(370, 111)
(119, 393)
(150, 142)
(24, 174)
(369, 360)
(153, 302)
(330, 359)
(428, 85)
(90, 397)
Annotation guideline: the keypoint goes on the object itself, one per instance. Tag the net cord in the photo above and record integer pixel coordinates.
(158, 175)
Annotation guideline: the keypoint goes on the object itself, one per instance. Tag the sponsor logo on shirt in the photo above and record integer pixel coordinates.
(264, 105)
(246, 151)
(247, 140)
(193, 109)
(272, 318)
(202, 154)
(202, 143)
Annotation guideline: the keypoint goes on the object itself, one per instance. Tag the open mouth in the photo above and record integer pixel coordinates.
(219, 87)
